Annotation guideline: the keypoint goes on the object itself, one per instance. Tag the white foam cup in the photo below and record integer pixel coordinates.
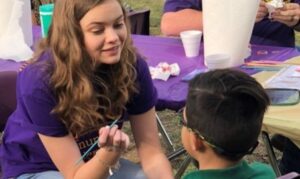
(217, 61)
(191, 42)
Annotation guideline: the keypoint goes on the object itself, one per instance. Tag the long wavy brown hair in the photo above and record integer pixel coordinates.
(87, 95)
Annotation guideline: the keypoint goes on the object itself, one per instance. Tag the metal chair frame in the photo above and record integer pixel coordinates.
(8, 81)
(139, 21)
(271, 153)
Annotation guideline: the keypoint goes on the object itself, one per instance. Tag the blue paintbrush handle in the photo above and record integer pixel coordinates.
(94, 144)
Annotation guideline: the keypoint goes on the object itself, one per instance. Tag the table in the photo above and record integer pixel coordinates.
(172, 94)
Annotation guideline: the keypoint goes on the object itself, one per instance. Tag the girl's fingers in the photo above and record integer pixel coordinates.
(113, 138)
(121, 140)
(112, 133)
(103, 135)
(117, 139)
(23, 66)
(126, 141)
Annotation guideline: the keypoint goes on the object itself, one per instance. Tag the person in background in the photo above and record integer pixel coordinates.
(84, 75)
(286, 18)
(221, 124)
(278, 31)
(35, 4)
(290, 161)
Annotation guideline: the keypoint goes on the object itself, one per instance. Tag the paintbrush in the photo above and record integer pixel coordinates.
(94, 144)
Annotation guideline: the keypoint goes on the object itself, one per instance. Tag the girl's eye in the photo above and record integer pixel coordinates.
(97, 31)
(119, 25)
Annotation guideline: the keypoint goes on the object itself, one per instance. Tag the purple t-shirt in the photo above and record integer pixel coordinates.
(265, 32)
(21, 150)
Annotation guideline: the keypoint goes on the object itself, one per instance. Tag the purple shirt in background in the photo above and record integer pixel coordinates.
(22, 151)
(265, 32)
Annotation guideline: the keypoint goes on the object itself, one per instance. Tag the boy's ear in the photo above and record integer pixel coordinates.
(196, 143)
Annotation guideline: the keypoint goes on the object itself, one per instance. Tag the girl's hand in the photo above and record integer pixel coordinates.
(288, 15)
(23, 66)
(262, 11)
(113, 139)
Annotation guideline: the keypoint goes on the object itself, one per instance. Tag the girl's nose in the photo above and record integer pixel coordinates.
(111, 35)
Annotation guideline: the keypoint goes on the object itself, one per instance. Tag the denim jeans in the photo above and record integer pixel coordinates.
(40, 175)
(290, 161)
(128, 170)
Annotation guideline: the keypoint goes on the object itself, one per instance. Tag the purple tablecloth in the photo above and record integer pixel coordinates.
(172, 93)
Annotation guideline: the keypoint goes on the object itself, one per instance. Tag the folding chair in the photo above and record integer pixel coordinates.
(184, 164)
(179, 153)
(139, 21)
(271, 154)
(164, 134)
(7, 96)
(291, 175)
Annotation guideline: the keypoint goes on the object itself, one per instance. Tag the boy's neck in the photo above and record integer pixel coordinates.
(212, 161)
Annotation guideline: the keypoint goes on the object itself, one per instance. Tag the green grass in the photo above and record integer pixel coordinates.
(156, 7)
(297, 39)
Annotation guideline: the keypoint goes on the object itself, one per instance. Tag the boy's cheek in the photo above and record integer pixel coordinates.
(186, 141)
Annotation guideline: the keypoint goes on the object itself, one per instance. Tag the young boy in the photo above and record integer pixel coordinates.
(222, 120)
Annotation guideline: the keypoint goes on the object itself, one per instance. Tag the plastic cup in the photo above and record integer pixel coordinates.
(46, 12)
(217, 61)
(191, 42)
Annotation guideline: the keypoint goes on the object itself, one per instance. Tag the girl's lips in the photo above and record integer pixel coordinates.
(111, 49)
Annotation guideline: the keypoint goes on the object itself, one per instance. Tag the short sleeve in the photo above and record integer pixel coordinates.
(146, 97)
(35, 103)
(297, 1)
(176, 5)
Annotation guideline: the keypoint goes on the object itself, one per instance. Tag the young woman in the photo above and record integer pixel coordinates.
(84, 75)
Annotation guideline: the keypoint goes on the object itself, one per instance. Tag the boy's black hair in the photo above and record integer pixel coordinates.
(227, 107)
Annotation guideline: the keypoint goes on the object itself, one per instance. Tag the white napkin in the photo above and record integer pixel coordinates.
(163, 71)
(273, 5)
(16, 30)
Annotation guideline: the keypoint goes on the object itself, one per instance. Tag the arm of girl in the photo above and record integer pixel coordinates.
(145, 132)
(64, 152)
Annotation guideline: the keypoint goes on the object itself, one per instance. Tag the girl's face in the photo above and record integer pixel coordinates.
(104, 32)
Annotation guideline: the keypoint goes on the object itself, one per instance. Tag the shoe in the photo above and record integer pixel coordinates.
(278, 141)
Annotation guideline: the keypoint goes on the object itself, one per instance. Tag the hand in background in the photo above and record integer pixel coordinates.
(113, 138)
(289, 14)
(23, 66)
(262, 11)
